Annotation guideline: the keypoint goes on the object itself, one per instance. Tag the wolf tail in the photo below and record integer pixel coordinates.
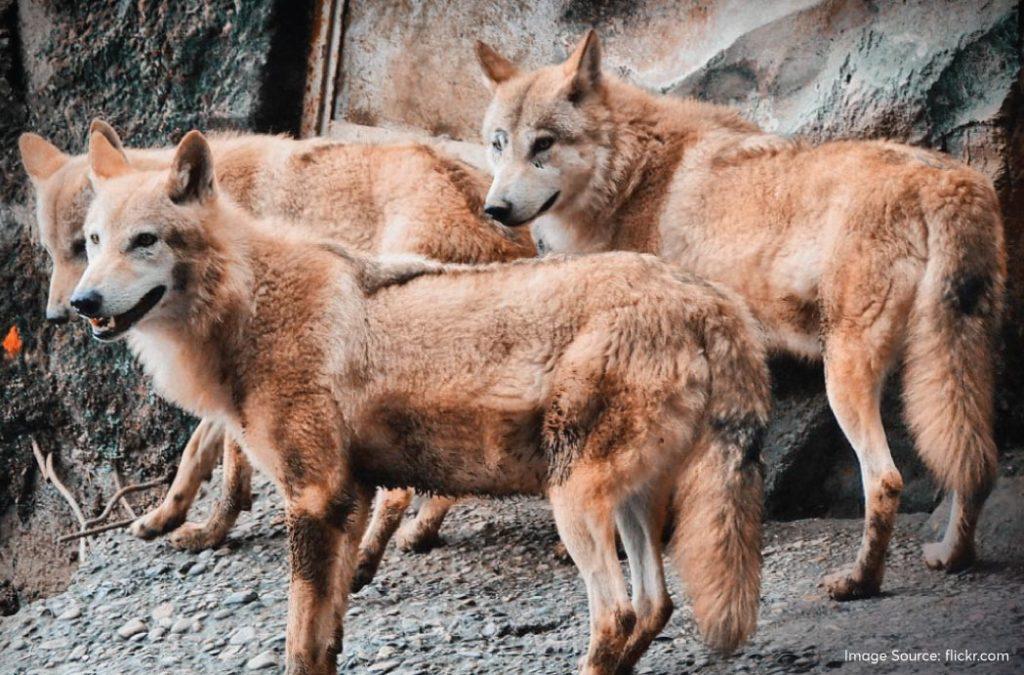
(719, 495)
(948, 371)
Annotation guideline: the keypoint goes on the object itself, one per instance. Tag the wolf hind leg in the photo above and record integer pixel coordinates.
(197, 462)
(854, 393)
(388, 510)
(422, 533)
(586, 523)
(236, 496)
(641, 520)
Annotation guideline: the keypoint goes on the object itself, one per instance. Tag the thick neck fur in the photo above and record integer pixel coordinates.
(646, 136)
(190, 353)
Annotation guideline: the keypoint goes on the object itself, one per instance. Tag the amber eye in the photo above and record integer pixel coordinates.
(94, 238)
(542, 144)
(143, 240)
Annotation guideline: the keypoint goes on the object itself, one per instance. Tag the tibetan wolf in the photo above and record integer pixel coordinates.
(606, 382)
(373, 199)
(861, 253)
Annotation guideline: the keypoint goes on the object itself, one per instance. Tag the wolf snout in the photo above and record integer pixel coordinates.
(500, 212)
(57, 315)
(87, 303)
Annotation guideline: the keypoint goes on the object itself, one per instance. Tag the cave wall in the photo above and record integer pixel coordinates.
(155, 70)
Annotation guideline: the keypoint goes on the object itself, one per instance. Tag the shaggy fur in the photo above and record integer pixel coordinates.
(860, 252)
(600, 380)
(373, 199)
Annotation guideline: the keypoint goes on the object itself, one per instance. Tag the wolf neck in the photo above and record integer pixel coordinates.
(191, 356)
(648, 136)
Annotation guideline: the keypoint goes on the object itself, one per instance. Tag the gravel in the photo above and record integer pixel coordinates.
(496, 598)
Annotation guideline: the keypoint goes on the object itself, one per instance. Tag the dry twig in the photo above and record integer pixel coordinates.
(46, 468)
(96, 530)
(124, 498)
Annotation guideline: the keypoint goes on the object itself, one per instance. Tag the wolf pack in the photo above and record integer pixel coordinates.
(590, 324)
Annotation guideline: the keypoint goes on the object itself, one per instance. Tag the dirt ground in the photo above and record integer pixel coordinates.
(495, 599)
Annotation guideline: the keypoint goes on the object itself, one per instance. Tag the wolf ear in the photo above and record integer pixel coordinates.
(192, 177)
(496, 67)
(98, 126)
(105, 161)
(583, 67)
(40, 157)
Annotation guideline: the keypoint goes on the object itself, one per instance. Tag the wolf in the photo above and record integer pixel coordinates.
(603, 381)
(862, 254)
(374, 199)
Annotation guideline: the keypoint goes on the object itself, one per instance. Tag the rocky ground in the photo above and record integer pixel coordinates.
(495, 599)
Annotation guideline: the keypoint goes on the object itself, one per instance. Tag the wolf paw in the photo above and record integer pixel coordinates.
(417, 540)
(195, 538)
(940, 556)
(151, 525)
(850, 585)
(363, 576)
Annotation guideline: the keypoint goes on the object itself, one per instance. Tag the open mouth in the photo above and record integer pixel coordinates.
(543, 207)
(109, 327)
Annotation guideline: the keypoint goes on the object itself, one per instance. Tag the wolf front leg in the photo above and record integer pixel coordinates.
(324, 528)
(236, 496)
(197, 462)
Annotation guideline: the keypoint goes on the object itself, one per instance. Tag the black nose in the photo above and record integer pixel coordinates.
(88, 303)
(499, 213)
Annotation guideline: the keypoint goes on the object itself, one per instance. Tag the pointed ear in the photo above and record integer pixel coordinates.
(496, 68)
(98, 126)
(40, 157)
(583, 67)
(192, 177)
(105, 161)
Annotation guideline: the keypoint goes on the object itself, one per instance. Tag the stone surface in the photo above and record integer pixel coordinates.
(496, 599)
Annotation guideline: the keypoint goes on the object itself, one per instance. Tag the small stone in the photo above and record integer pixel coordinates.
(490, 630)
(241, 597)
(133, 627)
(72, 612)
(17, 644)
(157, 632)
(163, 611)
(197, 569)
(265, 659)
(181, 625)
(243, 635)
(77, 654)
(383, 666)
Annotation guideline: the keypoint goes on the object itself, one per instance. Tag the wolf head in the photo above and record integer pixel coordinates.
(143, 233)
(63, 194)
(546, 131)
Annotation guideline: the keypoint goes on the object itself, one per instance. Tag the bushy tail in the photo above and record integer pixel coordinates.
(719, 495)
(948, 373)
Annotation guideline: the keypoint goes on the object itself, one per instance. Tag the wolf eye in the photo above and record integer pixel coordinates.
(543, 143)
(94, 238)
(143, 240)
(78, 248)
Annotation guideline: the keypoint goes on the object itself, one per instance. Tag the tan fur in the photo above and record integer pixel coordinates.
(589, 378)
(374, 199)
(861, 252)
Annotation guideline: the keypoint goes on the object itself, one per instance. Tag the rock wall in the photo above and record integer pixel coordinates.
(944, 74)
(154, 69)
